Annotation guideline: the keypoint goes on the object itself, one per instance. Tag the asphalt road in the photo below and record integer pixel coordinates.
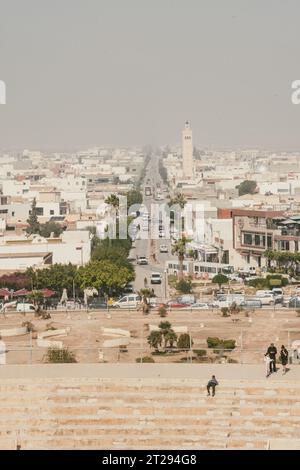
(146, 245)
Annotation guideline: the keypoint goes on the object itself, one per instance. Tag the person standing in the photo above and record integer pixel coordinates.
(271, 352)
(284, 356)
(212, 383)
(267, 363)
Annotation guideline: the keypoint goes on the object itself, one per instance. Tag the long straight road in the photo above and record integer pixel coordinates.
(148, 242)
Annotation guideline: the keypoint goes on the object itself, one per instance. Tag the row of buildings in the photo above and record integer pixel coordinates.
(236, 229)
(69, 189)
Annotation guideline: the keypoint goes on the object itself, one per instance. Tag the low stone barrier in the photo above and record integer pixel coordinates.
(19, 331)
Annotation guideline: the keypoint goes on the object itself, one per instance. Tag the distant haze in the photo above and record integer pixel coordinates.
(124, 72)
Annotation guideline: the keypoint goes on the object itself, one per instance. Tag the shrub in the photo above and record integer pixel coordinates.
(225, 311)
(57, 356)
(184, 287)
(232, 361)
(144, 359)
(200, 352)
(228, 344)
(162, 311)
(184, 341)
(213, 342)
(217, 343)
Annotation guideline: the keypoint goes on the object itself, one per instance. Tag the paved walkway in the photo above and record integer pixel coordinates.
(184, 371)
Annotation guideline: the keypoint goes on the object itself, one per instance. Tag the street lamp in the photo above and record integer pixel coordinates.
(165, 284)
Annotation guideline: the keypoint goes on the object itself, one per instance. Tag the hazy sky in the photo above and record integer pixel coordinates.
(92, 72)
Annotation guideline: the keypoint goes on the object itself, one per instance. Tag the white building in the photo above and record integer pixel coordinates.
(20, 253)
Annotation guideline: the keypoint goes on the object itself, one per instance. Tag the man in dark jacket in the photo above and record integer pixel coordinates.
(212, 383)
(271, 352)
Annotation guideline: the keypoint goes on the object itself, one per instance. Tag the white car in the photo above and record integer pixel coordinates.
(128, 301)
(25, 308)
(163, 249)
(266, 299)
(155, 278)
(162, 234)
(197, 306)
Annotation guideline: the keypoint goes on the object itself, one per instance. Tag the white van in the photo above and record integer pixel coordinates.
(266, 299)
(25, 308)
(128, 301)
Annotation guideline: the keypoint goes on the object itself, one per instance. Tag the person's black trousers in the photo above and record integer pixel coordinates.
(273, 365)
(213, 387)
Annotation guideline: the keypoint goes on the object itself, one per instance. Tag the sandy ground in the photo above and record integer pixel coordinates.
(252, 334)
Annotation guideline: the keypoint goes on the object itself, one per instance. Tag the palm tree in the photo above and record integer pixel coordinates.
(145, 294)
(178, 199)
(179, 249)
(155, 339)
(36, 297)
(114, 202)
(170, 338)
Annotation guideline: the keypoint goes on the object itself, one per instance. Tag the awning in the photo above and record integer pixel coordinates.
(21, 293)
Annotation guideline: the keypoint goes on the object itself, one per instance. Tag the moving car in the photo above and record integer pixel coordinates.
(155, 278)
(142, 260)
(163, 249)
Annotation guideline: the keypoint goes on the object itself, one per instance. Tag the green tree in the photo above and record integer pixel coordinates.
(145, 295)
(247, 187)
(220, 279)
(184, 341)
(179, 249)
(170, 338)
(32, 221)
(114, 202)
(179, 200)
(184, 287)
(134, 197)
(104, 276)
(155, 339)
(57, 277)
(50, 227)
(36, 297)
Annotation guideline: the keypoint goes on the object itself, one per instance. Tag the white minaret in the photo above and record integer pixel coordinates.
(187, 151)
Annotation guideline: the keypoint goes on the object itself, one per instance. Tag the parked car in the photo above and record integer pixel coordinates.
(251, 303)
(266, 299)
(155, 278)
(98, 304)
(176, 304)
(186, 299)
(278, 295)
(128, 289)
(197, 306)
(294, 302)
(128, 301)
(25, 308)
